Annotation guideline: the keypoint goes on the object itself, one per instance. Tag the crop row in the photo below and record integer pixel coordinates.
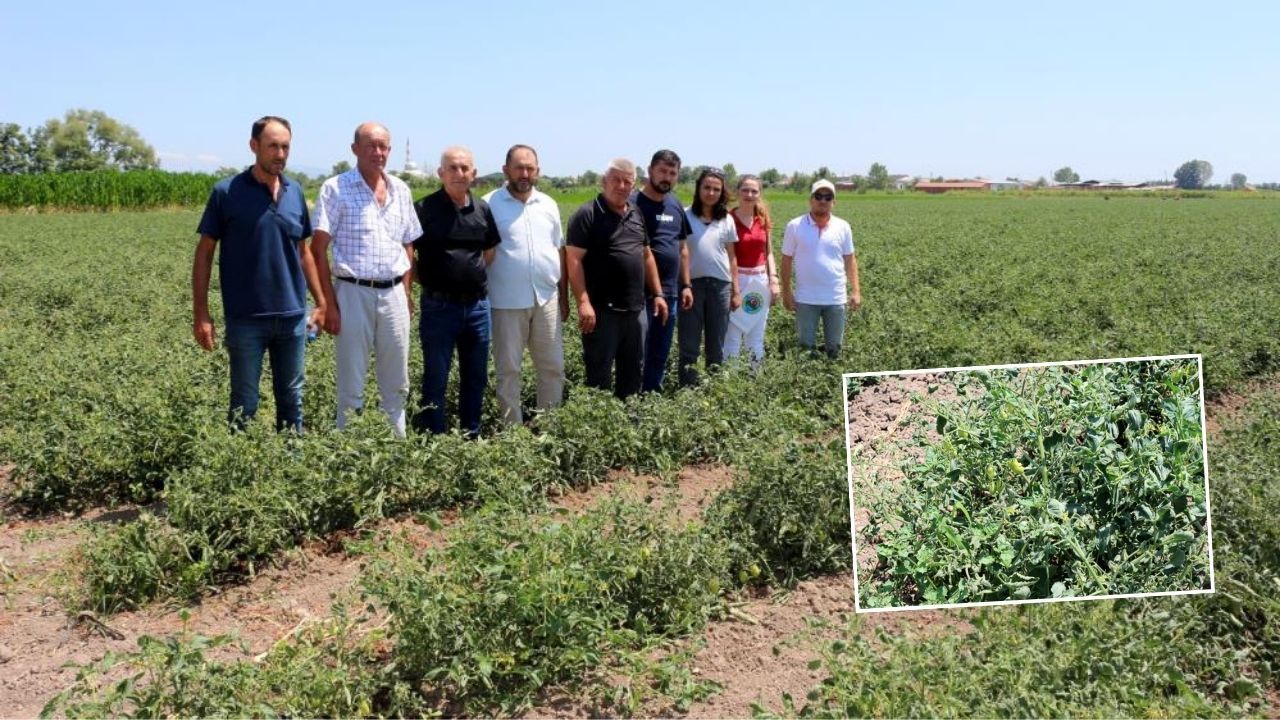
(105, 189)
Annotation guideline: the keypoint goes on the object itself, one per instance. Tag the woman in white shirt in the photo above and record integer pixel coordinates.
(713, 271)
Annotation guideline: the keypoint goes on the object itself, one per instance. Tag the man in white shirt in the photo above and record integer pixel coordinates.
(527, 295)
(369, 219)
(820, 247)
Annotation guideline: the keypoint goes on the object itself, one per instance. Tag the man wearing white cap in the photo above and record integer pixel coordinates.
(819, 246)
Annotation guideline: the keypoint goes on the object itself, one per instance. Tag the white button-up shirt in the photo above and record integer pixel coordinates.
(368, 239)
(526, 267)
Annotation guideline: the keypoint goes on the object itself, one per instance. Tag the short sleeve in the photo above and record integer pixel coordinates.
(491, 235)
(577, 235)
(409, 215)
(685, 228)
(846, 247)
(211, 223)
(789, 240)
(728, 231)
(306, 215)
(327, 213)
(556, 226)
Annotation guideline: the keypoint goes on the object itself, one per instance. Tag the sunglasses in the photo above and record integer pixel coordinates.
(824, 197)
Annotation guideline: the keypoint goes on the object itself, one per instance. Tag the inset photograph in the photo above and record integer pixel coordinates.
(1028, 483)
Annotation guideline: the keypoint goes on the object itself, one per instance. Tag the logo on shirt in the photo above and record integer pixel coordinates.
(666, 218)
(752, 303)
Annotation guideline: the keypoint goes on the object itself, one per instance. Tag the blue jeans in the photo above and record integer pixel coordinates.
(442, 325)
(832, 326)
(657, 344)
(704, 324)
(283, 339)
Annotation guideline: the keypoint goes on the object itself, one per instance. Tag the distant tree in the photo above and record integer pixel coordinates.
(1041, 182)
(15, 150)
(93, 140)
(687, 174)
(770, 177)
(226, 171)
(800, 181)
(730, 175)
(339, 168)
(1193, 174)
(589, 178)
(822, 173)
(297, 176)
(1238, 181)
(877, 177)
(1066, 175)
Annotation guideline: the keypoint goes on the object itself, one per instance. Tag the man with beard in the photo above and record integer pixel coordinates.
(260, 218)
(668, 227)
(368, 216)
(527, 295)
(457, 244)
(820, 247)
(610, 265)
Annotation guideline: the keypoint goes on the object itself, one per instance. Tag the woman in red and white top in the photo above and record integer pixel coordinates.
(757, 277)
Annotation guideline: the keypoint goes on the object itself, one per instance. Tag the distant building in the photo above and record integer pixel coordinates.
(935, 187)
(411, 167)
(901, 182)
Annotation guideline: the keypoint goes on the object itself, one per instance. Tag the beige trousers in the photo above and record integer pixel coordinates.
(539, 329)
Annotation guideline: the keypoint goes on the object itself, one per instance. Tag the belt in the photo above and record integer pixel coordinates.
(379, 284)
(758, 270)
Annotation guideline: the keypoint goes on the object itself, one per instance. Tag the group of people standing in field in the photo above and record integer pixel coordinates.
(498, 273)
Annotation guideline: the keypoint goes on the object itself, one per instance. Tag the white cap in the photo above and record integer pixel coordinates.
(821, 184)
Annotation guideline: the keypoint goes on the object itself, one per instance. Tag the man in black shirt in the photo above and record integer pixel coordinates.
(610, 265)
(457, 244)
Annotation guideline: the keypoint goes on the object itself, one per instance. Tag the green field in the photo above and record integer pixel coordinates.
(105, 398)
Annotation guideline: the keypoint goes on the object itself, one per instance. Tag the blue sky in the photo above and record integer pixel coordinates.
(1117, 90)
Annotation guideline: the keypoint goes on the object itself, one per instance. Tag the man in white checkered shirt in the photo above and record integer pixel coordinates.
(369, 218)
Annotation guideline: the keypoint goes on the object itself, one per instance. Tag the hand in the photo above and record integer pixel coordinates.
(735, 300)
(789, 301)
(660, 309)
(316, 321)
(202, 329)
(408, 294)
(333, 319)
(855, 300)
(686, 298)
(775, 291)
(586, 317)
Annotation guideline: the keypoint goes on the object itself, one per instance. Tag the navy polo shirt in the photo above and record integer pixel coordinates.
(260, 269)
(667, 226)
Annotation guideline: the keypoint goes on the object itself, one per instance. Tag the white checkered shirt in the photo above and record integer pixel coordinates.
(368, 241)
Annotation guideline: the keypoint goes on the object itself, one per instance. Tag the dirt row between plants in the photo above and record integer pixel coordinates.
(38, 637)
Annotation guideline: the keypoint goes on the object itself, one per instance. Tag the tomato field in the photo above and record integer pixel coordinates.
(485, 588)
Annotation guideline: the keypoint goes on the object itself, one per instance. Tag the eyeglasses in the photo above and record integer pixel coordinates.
(715, 171)
(824, 197)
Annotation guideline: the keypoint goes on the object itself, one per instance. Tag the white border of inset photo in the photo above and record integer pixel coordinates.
(849, 469)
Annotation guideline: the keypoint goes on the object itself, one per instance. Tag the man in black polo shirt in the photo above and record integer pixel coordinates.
(610, 265)
(457, 244)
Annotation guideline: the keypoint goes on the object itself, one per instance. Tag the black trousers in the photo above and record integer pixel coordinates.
(618, 338)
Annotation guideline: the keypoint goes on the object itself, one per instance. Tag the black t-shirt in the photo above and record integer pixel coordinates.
(451, 249)
(667, 226)
(614, 262)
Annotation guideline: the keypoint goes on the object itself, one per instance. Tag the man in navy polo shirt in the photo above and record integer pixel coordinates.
(265, 265)
(668, 227)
